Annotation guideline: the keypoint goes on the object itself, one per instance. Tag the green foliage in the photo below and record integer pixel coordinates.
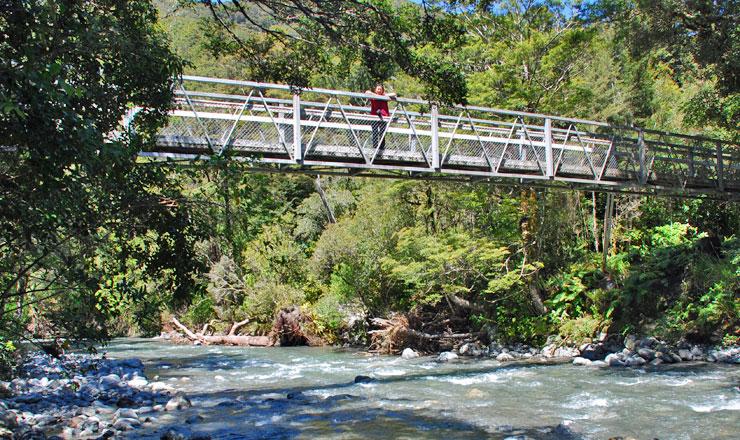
(264, 298)
(84, 227)
(94, 243)
(577, 330)
(201, 311)
(7, 359)
(429, 267)
(337, 36)
(328, 316)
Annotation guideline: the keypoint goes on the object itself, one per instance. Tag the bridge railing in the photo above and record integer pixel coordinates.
(273, 123)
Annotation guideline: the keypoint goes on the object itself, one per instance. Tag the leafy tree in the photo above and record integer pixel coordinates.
(291, 41)
(69, 181)
(705, 32)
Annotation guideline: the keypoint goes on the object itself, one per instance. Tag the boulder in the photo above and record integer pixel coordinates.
(126, 413)
(648, 342)
(8, 419)
(566, 352)
(446, 356)
(635, 361)
(470, 349)
(630, 341)
(109, 381)
(124, 424)
(364, 379)
(159, 386)
(697, 353)
(409, 353)
(581, 361)
(138, 382)
(593, 352)
(172, 435)
(646, 353)
(178, 402)
(685, 354)
(505, 357)
(613, 360)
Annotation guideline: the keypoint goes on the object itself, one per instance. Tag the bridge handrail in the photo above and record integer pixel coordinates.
(263, 85)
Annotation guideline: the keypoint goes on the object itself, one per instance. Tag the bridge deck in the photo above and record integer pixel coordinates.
(326, 131)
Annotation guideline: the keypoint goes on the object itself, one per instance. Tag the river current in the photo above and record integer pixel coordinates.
(301, 392)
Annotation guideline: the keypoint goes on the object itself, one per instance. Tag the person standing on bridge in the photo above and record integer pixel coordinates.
(379, 109)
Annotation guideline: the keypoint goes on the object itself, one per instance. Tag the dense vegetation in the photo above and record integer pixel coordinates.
(96, 243)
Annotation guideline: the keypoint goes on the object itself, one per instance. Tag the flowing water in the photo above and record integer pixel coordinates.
(243, 393)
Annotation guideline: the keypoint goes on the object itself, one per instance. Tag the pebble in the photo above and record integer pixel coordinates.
(78, 396)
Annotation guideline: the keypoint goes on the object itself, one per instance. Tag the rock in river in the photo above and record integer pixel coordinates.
(409, 353)
(180, 401)
(446, 356)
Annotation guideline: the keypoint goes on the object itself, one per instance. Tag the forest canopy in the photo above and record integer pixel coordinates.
(97, 243)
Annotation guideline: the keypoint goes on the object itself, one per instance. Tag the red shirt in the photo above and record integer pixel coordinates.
(379, 108)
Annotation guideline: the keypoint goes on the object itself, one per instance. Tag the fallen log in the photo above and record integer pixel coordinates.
(236, 326)
(240, 340)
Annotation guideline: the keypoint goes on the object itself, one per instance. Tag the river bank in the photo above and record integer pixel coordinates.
(83, 396)
(80, 396)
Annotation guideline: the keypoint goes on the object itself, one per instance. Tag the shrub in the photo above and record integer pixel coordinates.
(580, 329)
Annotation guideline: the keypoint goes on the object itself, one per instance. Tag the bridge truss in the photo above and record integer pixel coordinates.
(282, 129)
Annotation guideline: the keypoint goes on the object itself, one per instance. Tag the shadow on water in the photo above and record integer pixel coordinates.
(304, 416)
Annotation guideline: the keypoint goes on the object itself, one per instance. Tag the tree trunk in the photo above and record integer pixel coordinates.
(534, 294)
(594, 224)
(464, 304)
(324, 200)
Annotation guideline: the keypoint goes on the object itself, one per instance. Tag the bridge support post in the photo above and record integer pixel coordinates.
(642, 178)
(607, 237)
(435, 137)
(548, 149)
(720, 168)
(297, 142)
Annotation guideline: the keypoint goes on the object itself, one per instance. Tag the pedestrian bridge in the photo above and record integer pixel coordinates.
(283, 129)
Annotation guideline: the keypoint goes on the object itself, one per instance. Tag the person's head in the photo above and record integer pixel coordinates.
(379, 89)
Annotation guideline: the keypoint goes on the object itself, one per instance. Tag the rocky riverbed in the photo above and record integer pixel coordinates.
(82, 396)
(610, 352)
(91, 397)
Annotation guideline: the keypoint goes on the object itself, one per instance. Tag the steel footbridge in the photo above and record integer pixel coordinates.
(279, 128)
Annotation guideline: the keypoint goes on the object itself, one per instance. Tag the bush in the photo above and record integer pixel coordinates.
(264, 299)
(328, 317)
(578, 330)
(8, 359)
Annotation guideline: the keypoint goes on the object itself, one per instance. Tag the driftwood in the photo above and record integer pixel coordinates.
(236, 326)
(394, 334)
(230, 339)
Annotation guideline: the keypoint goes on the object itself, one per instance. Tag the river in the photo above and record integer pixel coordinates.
(242, 393)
